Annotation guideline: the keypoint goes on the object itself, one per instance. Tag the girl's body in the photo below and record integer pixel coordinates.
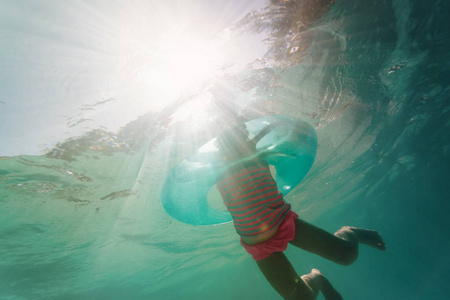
(266, 223)
(252, 197)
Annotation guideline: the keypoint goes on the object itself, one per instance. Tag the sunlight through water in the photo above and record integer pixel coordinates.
(101, 100)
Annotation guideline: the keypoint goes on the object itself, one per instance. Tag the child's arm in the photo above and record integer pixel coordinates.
(268, 152)
(263, 132)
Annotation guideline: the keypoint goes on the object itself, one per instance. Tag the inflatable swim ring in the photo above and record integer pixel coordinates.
(291, 148)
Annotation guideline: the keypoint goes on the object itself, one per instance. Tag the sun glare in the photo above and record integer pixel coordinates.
(180, 66)
(183, 62)
(189, 62)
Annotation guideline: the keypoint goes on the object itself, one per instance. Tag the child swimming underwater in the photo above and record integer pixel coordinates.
(266, 223)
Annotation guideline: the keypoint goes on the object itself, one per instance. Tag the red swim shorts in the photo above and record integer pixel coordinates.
(277, 243)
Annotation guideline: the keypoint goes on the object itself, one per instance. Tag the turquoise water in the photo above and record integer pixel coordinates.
(82, 219)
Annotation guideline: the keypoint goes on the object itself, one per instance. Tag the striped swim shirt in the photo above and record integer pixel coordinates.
(252, 197)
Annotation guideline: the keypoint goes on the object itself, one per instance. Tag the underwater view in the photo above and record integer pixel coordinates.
(101, 100)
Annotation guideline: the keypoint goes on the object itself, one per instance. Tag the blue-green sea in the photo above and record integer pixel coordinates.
(98, 104)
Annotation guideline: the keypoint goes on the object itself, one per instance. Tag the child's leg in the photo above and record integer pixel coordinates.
(279, 272)
(342, 247)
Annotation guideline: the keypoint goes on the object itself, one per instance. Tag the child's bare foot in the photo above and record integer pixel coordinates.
(326, 288)
(369, 237)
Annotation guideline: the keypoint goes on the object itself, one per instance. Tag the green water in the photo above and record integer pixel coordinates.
(85, 221)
